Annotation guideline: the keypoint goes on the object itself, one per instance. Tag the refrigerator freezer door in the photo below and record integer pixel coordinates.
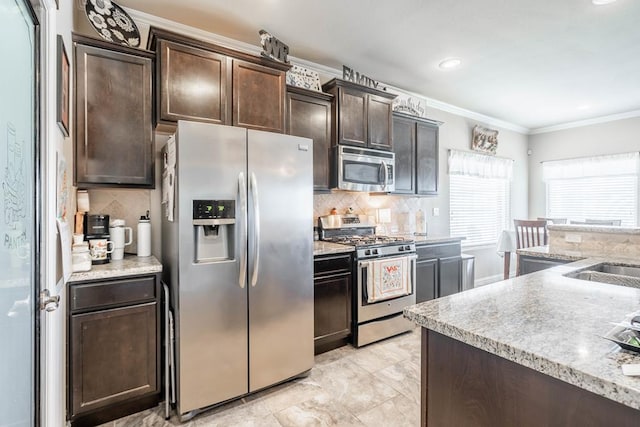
(281, 302)
(212, 323)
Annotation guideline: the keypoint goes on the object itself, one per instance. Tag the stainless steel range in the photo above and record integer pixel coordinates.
(385, 272)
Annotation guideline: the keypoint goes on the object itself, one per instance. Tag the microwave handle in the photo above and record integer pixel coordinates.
(386, 174)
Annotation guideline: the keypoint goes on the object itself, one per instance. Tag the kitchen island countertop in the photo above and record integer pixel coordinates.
(547, 322)
(131, 265)
(543, 252)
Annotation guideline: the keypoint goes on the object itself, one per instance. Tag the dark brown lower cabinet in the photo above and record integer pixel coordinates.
(113, 349)
(438, 270)
(449, 275)
(462, 385)
(332, 301)
(427, 279)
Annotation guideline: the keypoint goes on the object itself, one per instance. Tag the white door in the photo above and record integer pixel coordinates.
(18, 237)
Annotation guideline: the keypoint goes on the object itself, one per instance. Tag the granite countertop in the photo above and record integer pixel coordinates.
(547, 322)
(594, 228)
(543, 252)
(327, 248)
(131, 265)
(429, 239)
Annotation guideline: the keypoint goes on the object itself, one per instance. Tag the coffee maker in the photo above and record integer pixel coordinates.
(96, 232)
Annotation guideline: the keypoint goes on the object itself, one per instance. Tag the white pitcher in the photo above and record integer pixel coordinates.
(117, 232)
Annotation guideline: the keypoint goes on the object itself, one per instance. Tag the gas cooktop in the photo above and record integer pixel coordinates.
(368, 240)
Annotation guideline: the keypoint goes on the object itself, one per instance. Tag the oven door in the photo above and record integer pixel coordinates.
(365, 170)
(373, 308)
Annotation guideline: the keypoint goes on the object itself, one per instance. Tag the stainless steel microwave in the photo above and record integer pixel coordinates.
(362, 169)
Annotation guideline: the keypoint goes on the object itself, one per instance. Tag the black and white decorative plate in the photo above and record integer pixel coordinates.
(112, 22)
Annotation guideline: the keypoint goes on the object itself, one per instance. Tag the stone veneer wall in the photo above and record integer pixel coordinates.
(618, 242)
(403, 208)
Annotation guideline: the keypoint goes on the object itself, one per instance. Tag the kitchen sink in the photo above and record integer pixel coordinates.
(609, 273)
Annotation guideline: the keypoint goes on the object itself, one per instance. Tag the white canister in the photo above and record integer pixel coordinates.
(144, 236)
(117, 232)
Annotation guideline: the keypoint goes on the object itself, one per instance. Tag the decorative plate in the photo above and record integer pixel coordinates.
(112, 22)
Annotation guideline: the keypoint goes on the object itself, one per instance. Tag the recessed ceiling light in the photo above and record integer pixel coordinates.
(601, 2)
(450, 63)
(583, 107)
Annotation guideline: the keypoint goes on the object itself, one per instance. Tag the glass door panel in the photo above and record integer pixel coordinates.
(17, 214)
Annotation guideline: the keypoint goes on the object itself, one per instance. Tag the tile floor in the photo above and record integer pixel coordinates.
(377, 385)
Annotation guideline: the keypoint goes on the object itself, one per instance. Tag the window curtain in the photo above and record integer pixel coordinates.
(609, 165)
(468, 163)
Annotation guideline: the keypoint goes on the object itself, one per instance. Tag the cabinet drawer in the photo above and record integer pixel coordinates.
(112, 293)
(440, 250)
(332, 264)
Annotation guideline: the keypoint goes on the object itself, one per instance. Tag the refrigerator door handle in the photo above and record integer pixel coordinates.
(253, 184)
(242, 187)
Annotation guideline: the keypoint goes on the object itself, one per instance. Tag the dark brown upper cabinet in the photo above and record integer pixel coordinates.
(195, 85)
(362, 115)
(258, 96)
(309, 115)
(114, 143)
(415, 143)
(201, 81)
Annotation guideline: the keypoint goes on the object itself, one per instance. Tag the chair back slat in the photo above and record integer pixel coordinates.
(530, 233)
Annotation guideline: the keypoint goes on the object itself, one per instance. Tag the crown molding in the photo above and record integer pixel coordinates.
(587, 122)
(187, 30)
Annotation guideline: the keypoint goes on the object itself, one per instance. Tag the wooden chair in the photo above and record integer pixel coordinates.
(529, 233)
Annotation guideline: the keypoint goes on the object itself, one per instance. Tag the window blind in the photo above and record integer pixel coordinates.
(479, 197)
(600, 188)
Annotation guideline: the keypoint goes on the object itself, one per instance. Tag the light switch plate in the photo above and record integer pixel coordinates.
(436, 211)
(573, 238)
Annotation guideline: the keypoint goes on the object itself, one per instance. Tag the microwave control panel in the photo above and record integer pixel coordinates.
(214, 209)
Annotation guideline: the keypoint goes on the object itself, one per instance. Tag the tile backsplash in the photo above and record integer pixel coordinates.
(121, 204)
(403, 208)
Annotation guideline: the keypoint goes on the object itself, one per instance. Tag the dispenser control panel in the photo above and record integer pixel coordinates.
(214, 209)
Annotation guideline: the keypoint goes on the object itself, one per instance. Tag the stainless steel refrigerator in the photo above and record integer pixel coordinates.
(238, 258)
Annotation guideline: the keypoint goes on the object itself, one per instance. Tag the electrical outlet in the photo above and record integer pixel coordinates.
(573, 238)
(436, 211)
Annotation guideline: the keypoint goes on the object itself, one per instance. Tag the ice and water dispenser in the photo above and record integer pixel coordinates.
(213, 229)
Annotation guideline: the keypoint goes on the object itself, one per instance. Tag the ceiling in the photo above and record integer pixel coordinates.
(534, 64)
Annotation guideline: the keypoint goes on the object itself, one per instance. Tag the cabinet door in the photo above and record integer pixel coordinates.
(258, 97)
(379, 122)
(426, 279)
(427, 159)
(193, 84)
(113, 356)
(332, 310)
(450, 275)
(404, 137)
(311, 118)
(113, 139)
(352, 117)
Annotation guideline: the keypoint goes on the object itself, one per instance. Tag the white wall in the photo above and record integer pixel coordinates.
(619, 136)
(455, 133)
